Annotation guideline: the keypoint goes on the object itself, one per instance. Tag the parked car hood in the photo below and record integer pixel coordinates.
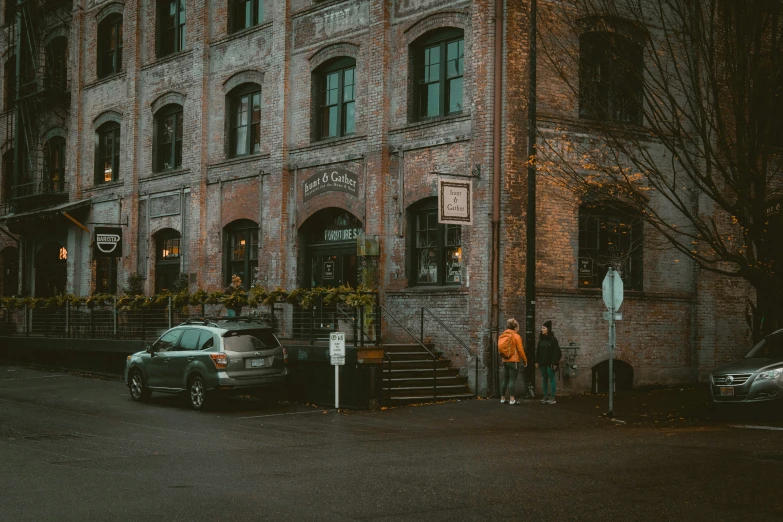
(749, 365)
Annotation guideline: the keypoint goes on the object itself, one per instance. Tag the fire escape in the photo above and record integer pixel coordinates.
(40, 100)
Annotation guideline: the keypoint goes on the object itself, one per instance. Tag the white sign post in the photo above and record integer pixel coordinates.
(337, 355)
(612, 289)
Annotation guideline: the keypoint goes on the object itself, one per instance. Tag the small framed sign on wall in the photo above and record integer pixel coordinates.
(455, 202)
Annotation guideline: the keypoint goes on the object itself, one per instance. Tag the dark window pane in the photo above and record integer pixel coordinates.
(189, 340)
(455, 95)
(349, 117)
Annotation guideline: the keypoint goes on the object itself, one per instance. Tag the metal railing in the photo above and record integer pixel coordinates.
(316, 321)
(427, 311)
(420, 343)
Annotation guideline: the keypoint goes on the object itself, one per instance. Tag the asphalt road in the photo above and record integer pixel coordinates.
(77, 448)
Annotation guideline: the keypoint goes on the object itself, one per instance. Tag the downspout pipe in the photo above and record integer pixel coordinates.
(496, 156)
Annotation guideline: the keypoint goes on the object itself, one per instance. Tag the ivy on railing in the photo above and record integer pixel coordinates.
(304, 297)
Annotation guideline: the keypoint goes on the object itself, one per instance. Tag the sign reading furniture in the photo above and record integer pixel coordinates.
(108, 242)
(336, 179)
(455, 202)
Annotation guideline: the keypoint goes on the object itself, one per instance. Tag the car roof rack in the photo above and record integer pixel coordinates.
(200, 322)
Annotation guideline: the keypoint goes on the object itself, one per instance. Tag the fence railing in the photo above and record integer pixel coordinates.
(426, 312)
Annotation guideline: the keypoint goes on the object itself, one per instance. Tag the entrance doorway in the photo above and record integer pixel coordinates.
(329, 261)
(331, 249)
(10, 271)
(51, 274)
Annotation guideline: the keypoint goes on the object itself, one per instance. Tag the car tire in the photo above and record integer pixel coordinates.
(197, 393)
(138, 391)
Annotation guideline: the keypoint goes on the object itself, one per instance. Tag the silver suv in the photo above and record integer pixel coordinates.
(756, 378)
(205, 357)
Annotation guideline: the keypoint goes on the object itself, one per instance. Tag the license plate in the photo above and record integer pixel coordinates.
(727, 391)
(255, 363)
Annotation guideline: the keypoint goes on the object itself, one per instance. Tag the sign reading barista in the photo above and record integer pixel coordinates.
(337, 179)
(107, 242)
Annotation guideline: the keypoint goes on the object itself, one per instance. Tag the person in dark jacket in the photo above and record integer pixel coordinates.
(547, 361)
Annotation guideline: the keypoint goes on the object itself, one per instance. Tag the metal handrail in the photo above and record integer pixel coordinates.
(352, 320)
(471, 352)
(434, 357)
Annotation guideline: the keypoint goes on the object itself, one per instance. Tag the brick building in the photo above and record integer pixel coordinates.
(202, 130)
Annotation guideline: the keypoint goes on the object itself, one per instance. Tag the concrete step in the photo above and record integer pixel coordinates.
(412, 364)
(411, 356)
(422, 381)
(426, 391)
(402, 401)
(414, 347)
(398, 372)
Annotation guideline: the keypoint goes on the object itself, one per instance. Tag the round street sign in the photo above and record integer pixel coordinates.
(612, 288)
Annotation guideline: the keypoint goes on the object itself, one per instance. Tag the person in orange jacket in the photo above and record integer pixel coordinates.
(511, 363)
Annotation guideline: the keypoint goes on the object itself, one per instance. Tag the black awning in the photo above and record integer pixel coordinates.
(35, 217)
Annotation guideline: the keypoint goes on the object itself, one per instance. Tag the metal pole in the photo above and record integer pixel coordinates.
(67, 318)
(530, 270)
(336, 387)
(115, 317)
(171, 313)
(610, 413)
(422, 326)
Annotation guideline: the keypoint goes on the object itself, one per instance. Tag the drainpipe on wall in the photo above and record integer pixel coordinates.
(496, 131)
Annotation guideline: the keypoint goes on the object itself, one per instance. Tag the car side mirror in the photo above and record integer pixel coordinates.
(149, 349)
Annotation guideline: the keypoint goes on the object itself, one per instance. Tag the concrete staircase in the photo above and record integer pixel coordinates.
(408, 378)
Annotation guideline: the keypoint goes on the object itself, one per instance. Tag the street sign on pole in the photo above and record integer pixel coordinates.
(337, 356)
(612, 289)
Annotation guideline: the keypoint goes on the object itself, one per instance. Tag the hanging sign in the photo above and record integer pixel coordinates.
(455, 202)
(336, 179)
(107, 242)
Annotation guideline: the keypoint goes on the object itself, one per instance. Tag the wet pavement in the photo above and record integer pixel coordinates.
(75, 447)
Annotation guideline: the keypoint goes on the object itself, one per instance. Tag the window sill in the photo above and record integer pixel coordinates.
(248, 158)
(330, 142)
(106, 79)
(433, 289)
(243, 32)
(166, 174)
(433, 122)
(166, 59)
(101, 187)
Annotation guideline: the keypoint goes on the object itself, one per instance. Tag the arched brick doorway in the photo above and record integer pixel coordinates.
(329, 253)
(623, 376)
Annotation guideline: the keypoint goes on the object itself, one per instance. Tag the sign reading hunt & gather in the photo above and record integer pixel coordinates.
(337, 179)
(455, 203)
(108, 242)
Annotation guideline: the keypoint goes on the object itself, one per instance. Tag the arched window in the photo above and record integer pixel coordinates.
(609, 235)
(107, 156)
(610, 78)
(438, 62)
(167, 259)
(245, 120)
(436, 249)
(241, 252)
(171, 27)
(168, 138)
(54, 165)
(245, 13)
(110, 45)
(335, 98)
(56, 77)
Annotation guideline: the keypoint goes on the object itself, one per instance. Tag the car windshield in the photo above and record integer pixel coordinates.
(769, 347)
(249, 341)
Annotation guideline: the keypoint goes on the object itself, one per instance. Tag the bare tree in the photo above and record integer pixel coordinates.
(680, 107)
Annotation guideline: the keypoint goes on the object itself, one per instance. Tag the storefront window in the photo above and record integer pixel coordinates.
(437, 249)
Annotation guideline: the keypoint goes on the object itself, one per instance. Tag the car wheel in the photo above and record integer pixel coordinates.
(197, 393)
(138, 391)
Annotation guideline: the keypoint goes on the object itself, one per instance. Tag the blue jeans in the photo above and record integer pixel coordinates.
(548, 376)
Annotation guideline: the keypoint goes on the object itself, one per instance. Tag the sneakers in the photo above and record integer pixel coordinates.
(502, 401)
(544, 400)
(551, 401)
(512, 402)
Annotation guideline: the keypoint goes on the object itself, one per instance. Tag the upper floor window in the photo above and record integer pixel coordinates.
(168, 138)
(107, 163)
(54, 165)
(57, 64)
(171, 26)
(110, 45)
(245, 120)
(10, 83)
(246, 13)
(436, 248)
(610, 78)
(336, 102)
(609, 236)
(439, 64)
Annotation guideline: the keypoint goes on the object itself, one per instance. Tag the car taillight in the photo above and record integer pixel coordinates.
(220, 360)
(285, 355)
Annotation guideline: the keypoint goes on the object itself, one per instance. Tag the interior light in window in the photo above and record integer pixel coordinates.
(63, 253)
